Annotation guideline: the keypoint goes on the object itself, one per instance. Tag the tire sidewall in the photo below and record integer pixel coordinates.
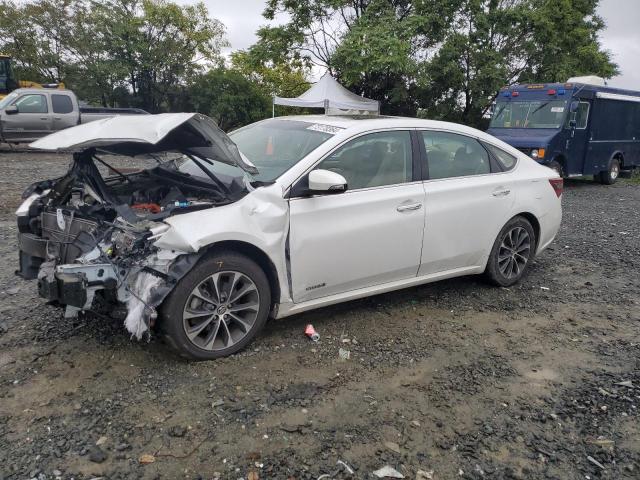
(492, 270)
(606, 176)
(172, 309)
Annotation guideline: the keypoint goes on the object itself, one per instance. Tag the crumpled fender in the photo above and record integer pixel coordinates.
(261, 219)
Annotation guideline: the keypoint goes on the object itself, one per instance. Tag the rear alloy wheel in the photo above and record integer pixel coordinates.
(217, 308)
(512, 252)
(610, 176)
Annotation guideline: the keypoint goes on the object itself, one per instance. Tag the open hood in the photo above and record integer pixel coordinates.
(190, 133)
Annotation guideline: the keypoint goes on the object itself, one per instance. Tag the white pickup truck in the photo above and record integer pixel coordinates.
(27, 114)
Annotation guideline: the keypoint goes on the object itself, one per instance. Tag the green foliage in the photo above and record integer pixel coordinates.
(439, 58)
(228, 97)
(137, 52)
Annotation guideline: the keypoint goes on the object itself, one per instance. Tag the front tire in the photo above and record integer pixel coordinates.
(610, 176)
(217, 308)
(512, 252)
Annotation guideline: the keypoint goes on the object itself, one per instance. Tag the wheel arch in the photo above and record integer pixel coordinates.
(619, 155)
(533, 220)
(257, 255)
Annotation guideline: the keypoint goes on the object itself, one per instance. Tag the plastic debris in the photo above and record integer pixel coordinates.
(626, 383)
(595, 462)
(388, 472)
(393, 446)
(424, 475)
(346, 467)
(310, 332)
(344, 354)
(146, 459)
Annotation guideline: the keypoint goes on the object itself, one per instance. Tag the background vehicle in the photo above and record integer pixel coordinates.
(27, 114)
(316, 210)
(576, 128)
(9, 83)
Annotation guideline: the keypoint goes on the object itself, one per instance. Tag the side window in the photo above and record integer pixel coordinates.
(582, 114)
(452, 155)
(373, 160)
(507, 160)
(61, 103)
(34, 103)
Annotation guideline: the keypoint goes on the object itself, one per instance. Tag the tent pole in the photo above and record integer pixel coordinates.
(273, 107)
(326, 106)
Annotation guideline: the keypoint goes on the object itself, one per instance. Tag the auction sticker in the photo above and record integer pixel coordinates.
(318, 127)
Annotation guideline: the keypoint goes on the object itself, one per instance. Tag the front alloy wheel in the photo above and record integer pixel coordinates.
(221, 310)
(217, 308)
(512, 252)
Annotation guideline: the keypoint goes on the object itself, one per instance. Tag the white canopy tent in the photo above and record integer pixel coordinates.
(327, 93)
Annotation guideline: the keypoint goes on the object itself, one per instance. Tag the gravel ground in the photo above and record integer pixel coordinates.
(456, 379)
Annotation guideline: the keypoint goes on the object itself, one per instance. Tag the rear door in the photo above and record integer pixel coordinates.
(369, 235)
(65, 111)
(32, 121)
(467, 201)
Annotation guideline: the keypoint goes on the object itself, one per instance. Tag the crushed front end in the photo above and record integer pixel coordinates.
(89, 239)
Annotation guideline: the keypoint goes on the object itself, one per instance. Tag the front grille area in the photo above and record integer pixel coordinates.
(69, 243)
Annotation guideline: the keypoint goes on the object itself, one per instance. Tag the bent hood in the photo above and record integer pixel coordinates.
(525, 137)
(145, 134)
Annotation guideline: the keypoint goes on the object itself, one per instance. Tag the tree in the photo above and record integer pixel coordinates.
(138, 52)
(439, 58)
(228, 97)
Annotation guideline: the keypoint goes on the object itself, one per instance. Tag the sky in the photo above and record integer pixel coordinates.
(621, 36)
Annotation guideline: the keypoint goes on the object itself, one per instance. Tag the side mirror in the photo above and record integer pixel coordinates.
(574, 106)
(326, 181)
(11, 110)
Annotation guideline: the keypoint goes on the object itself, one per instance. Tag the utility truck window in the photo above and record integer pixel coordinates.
(529, 114)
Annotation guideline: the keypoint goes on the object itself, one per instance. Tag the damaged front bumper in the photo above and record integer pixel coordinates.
(82, 268)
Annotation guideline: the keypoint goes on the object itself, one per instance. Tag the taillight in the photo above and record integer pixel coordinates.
(557, 184)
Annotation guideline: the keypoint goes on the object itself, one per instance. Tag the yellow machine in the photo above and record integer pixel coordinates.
(9, 83)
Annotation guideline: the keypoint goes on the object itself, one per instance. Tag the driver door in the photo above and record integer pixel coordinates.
(369, 235)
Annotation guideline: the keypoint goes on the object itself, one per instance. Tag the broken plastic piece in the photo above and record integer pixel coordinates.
(388, 472)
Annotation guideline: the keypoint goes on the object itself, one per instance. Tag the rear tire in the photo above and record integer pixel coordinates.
(610, 176)
(512, 252)
(217, 308)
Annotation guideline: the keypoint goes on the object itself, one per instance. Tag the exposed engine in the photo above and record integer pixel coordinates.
(89, 240)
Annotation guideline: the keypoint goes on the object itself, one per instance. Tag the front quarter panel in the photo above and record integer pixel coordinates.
(261, 219)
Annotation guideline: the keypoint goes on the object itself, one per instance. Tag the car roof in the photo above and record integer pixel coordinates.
(358, 123)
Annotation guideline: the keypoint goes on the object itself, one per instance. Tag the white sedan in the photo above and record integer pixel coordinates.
(312, 211)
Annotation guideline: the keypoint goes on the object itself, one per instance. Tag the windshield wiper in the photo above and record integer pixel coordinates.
(206, 171)
(540, 107)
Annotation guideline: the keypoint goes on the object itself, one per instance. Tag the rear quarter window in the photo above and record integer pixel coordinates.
(505, 159)
(61, 103)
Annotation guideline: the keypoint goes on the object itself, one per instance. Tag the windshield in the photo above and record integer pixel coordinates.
(529, 114)
(274, 146)
(7, 100)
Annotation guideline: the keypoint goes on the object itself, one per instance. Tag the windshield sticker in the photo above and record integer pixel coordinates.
(317, 127)
(557, 109)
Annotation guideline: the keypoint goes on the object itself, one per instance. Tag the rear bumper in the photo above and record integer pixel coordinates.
(549, 227)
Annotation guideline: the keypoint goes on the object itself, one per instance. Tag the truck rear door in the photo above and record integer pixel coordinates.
(31, 121)
(65, 111)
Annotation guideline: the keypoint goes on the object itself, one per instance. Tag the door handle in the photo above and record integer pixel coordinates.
(501, 193)
(57, 118)
(409, 208)
(44, 118)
